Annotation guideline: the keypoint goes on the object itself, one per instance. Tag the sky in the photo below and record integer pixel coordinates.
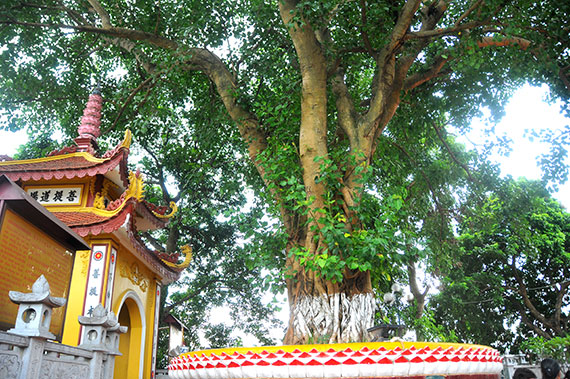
(525, 111)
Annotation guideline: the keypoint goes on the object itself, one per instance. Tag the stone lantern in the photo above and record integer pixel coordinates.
(113, 334)
(95, 329)
(35, 310)
(101, 334)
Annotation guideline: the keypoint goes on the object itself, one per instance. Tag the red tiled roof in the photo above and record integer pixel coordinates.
(73, 219)
(84, 223)
(66, 166)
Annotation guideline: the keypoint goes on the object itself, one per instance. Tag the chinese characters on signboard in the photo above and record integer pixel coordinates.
(96, 279)
(56, 195)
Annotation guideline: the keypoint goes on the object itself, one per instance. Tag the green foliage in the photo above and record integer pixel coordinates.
(538, 348)
(428, 329)
(514, 251)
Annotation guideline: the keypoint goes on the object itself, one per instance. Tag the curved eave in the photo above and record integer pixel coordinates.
(147, 219)
(95, 221)
(91, 223)
(168, 274)
(87, 223)
(69, 166)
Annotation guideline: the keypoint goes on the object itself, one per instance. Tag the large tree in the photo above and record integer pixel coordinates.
(317, 91)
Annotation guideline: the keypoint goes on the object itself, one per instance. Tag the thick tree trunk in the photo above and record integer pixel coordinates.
(325, 312)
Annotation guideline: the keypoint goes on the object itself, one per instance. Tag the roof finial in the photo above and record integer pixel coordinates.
(90, 122)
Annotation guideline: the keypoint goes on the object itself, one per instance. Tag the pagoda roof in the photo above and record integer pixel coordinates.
(94, 221)
(124, 216)
(70, 163)
(128, 214)
(169, 271)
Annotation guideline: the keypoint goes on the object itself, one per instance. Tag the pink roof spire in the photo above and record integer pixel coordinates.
(91, 120)
(89, 129)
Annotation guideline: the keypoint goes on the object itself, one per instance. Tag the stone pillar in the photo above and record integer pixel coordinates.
(113, 334)
(33, 320)
(101, 335)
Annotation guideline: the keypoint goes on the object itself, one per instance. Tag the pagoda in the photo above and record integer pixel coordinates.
(99, 199)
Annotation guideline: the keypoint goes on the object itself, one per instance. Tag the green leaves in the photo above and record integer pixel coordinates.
(514, 252)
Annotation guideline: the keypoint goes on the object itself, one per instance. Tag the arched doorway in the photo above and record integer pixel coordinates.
(131, 344)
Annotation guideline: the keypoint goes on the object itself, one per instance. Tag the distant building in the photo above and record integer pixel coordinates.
(103, 203)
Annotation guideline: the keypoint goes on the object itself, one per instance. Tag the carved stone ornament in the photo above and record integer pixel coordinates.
(35, 310)
(101, 331)
(61, 369)
(40, 294)
(9, 366)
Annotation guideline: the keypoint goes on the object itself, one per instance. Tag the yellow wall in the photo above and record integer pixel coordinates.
(26, 252)
(134, 281)
(76, 296)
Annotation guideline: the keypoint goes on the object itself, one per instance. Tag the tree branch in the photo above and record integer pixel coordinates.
(415, 289)
(213, 279)
(127, 102)
(525, 320)
(522, 290)
(386, 62)
(420, 78)
(153, 241)
(475, 5)
(313, 127)
(103, 15)
(431, 33)
(492, 41)
(451, 154)
(130, 34)
(345, 106)
(558, 308)
(424, 175)
(363, 33)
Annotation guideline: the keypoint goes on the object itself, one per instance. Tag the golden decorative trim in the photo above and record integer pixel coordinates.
(133, 273)
(99, 201)
(174, 208)
(83, 256)
(135, 190)
(127, 140)
(92, 182)
(95, 211)
(136, 186)
(187, 251)
(88, 157)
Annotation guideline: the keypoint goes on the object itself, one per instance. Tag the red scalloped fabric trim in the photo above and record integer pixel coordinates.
(69, 168)
(456, 362)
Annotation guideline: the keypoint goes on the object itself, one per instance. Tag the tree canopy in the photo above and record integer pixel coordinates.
(509, 281)
(335, 114)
